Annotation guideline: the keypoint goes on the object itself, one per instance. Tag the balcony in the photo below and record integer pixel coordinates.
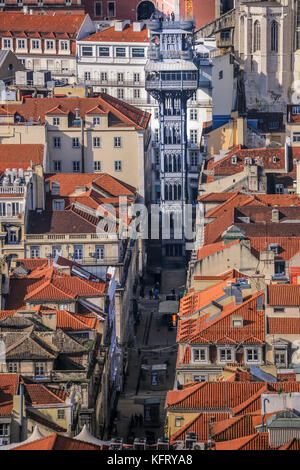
(93, 260)
(12, 189)
(158, 24)
(113, 83)
(157, 84)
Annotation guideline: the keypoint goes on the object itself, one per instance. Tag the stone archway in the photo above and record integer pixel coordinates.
(145, 10)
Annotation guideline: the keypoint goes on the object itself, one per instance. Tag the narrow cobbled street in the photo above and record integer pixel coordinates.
(155, 345)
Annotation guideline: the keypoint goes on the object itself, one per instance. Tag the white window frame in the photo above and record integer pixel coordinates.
(97, 165)
(64, 45)
(56, 121)
(35, 251)
(118, 165)
(75, 143)
(22, 42)
(8, 41)
(57, 166)
(34, 43)
(96, 121)
(229, 356)
(76, 166)
(117, 142)
(57, 142)
(199, 352)
(49, 44)
(96, 142)
(253, 350)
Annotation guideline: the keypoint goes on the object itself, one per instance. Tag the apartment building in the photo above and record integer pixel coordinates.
(45, 42)
(21, 189)
(89, 135)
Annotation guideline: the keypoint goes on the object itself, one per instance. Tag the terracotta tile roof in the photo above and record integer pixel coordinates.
(120, 113)
(57, 442)
(209, 396)
(293, 444)
(237, 426)
(35, 394)
(50, 284)
(215, 197)
(258, 441)
(8, 388)
(217, 328)
(263, 214)
(224, 166)
(186, 355)
(208, 250)
(32, 263)
(214, 230)
(17, 21)
(107, 184)
(20, 155)
(283, 295)
(283, 326)
(232, 274)
(38, 394)
(200, 426)
(193, 303)
(61, 221)
(288, 246)
(127, 35)
(238, 199)
(69, 321)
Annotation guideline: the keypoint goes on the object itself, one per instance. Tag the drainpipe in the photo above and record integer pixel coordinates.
(82, 146)
(264, 411)
(21, 411)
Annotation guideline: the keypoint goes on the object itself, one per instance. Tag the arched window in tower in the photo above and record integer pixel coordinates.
(166, 192)
(256, 36)
(274, 36)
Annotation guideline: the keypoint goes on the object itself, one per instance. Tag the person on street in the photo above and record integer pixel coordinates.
(150, 294)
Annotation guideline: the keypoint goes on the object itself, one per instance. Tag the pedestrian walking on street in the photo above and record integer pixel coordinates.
(156, 293)
(136, 420)
(142, 294)
(150, 294)
(141, 419)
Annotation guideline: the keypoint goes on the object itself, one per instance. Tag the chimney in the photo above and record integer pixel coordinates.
(287, 153)
(275, 215)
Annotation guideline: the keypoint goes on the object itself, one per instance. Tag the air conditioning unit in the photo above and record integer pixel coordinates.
(198, 446)
(116, 444)
(139, 443)
(179, 445)
(163, 444)
(191, 438)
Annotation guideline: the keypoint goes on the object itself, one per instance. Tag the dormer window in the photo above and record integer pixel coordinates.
(236, 321)
(234, 160)
(248, 161)
(96, 121)
(64, 45)
(256, 161)
(55, 189)
(274, 159)
(35, 44)
(274, 247)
